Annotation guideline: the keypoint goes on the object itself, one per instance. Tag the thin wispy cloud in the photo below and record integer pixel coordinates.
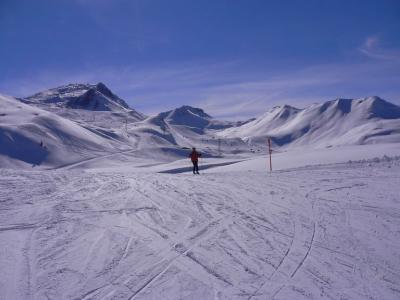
(372, 47)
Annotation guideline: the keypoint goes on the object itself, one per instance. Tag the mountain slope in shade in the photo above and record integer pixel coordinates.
(337, 122)
(80, 96)
(30, 136)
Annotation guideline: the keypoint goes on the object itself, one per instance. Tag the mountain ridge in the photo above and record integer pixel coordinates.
(97, 97)
(166, 135)
(322, 122)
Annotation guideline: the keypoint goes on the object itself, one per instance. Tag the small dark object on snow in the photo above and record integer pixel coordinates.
(194, 157)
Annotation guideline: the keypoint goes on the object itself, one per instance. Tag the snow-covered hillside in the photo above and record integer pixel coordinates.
(169, 135)
(119, 217)
(333, 123)
(322, 232)
(60, 136)
(30, 136)
(188, 127)
(193, 117)
(74, 136)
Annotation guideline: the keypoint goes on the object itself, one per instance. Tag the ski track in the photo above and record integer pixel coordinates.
(310, 233)
(91, 159)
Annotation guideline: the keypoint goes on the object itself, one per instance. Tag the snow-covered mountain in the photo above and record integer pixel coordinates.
(80, 96)
(32, 136)
(192, 117)
(77, 121)
(91, 104)
(187, 127)
(336, 122)
(122, 230)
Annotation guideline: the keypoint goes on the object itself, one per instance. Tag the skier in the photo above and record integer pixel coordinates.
(194, 157)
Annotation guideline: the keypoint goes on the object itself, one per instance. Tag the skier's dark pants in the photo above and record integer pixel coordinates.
(195, 167)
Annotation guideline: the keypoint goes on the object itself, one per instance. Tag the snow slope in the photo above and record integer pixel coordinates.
(322, 232)
(118, 217)
(338, 122)
(77, 137)
(23, 128)
(194, 118)
(169, 135)
(187, 127)
(260, 163)
(309, 157)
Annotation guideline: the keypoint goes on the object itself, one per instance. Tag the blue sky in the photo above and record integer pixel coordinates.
(234, 58)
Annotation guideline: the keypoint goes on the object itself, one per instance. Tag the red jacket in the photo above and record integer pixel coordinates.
(194, 156)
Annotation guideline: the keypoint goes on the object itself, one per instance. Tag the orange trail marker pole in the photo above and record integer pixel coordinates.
(270, 152)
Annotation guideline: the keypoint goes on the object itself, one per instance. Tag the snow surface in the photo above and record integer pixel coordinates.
(308, 157)
(316, 232)
(97, 201)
